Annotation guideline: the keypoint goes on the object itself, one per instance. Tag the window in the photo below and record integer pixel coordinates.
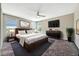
(10, 23)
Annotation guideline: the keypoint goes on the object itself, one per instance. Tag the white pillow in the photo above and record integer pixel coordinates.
(30, 31)
(36, 31)
(22, 32)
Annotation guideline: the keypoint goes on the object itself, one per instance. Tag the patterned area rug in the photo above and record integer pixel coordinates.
(14, 48)
(61, 48)
(7, 49)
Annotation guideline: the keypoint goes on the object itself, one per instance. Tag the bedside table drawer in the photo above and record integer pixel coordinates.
(9, 39)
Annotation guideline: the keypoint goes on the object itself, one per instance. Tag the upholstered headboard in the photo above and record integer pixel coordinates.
(19, 29)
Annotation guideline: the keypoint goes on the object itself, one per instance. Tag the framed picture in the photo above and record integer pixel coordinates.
(24, 24)
(77, 27)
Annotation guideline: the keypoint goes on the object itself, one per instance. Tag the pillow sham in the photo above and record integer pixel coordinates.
(30, 31)
(22, 32)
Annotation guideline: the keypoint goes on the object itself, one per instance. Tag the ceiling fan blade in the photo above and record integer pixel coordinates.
(37, 13)
(41, 15)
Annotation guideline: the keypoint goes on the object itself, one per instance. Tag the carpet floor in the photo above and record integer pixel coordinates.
(7, 49)
(20, 51)
(15, 49)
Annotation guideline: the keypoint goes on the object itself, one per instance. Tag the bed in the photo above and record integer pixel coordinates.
(31, 40)
(61, 48)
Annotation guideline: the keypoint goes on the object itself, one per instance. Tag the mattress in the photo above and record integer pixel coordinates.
(61, 48)
(30, 38)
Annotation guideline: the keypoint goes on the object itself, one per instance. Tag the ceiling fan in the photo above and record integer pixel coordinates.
(38, 14)
(38, 11)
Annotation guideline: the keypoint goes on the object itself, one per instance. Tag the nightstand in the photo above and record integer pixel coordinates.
(11, 38)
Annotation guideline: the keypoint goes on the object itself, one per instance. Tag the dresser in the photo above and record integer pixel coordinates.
(54, 34)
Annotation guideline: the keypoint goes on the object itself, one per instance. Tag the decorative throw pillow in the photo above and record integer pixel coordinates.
(22, 32)
(31, 31)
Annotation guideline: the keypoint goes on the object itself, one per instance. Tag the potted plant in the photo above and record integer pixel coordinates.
(70, 34)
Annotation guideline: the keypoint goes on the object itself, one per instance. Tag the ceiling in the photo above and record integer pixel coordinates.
(29, 10)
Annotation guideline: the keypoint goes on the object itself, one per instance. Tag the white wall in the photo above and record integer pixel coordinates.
(0, 29)
(66, 21)
(76, 17)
